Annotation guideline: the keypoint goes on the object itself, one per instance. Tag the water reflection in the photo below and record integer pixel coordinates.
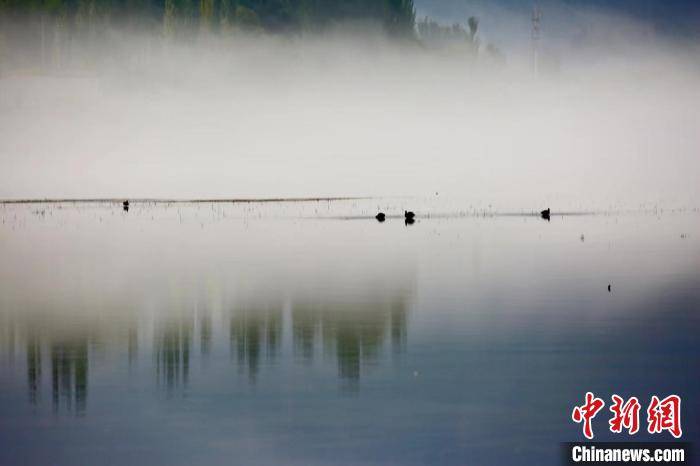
(205, 333)
(306, 326)
(354, 330)
(255, 331)
(33, 368)
(69, 364)
(467, 329)
(172, 347)
(132, 344)
(69, 374)
(8, 338)
(350, 331)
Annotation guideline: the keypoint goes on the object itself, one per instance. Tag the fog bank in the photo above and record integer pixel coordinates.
(351, 114)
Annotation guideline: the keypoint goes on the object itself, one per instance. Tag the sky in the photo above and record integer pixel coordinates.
(673, 17)
(572, 24)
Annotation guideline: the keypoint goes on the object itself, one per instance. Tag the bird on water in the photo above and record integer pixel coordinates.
(380, 217)
(545, 214)
(125, 203)
(408, 214)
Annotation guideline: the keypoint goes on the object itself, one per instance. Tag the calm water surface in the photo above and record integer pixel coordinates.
(311, 334)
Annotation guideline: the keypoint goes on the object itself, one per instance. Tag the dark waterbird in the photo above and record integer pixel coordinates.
(125, 204)
(408, 214)
(380, 217)
(545, 214)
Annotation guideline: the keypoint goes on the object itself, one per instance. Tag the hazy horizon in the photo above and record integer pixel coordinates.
(351, 112)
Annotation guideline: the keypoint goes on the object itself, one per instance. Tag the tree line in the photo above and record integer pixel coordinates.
(396, 16)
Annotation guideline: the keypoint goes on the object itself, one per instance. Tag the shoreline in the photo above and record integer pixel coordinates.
(179, 201)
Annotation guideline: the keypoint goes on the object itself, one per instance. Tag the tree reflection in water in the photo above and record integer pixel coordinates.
(354, 330)
(250, 329)
(205, 333)
(172, 346)
(69, 374)
(34, 368)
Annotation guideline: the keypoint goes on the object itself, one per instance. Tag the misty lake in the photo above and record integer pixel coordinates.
(309, 333)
